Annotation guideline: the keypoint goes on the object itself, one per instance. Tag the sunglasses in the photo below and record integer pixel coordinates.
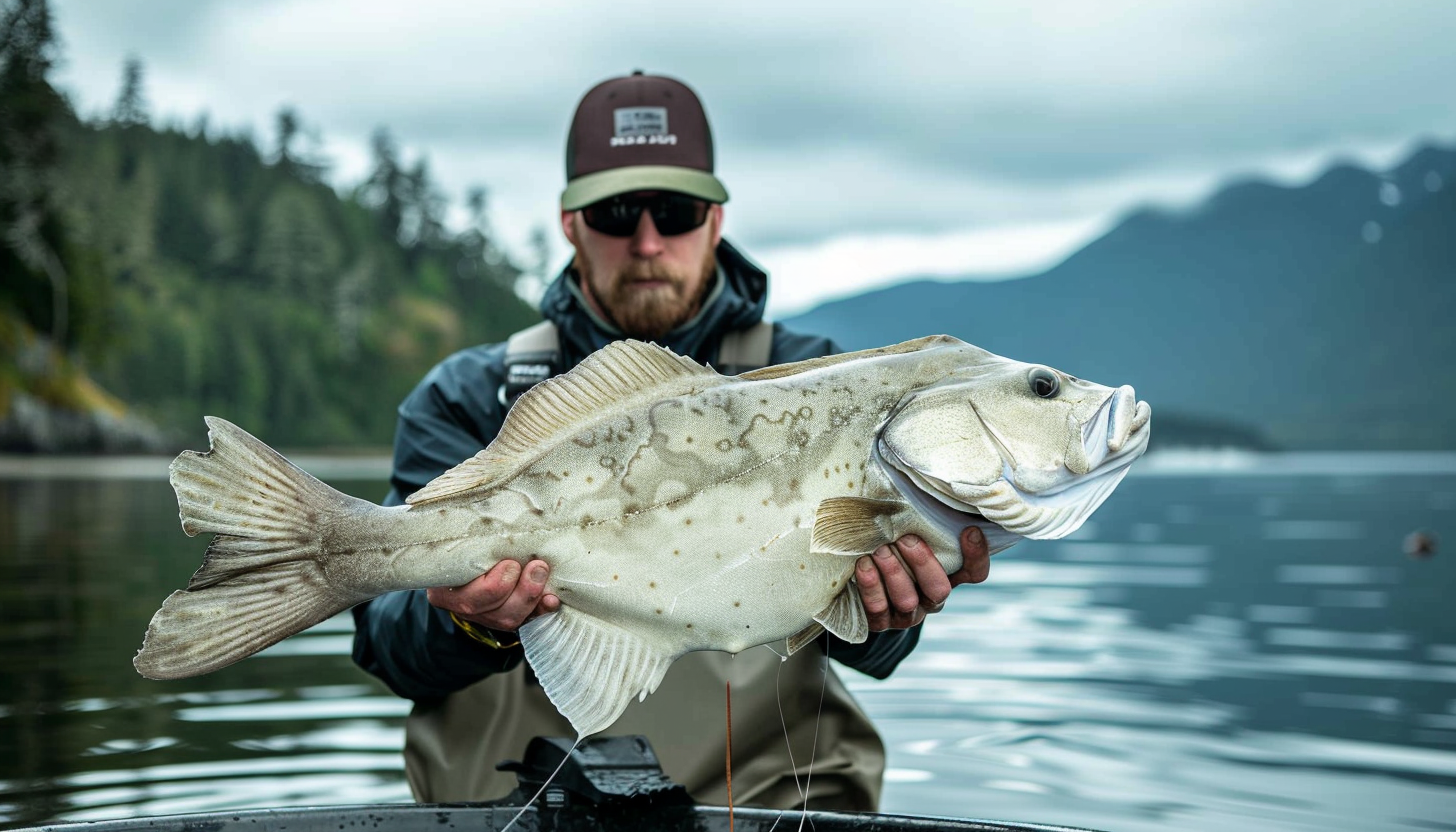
(671, 213)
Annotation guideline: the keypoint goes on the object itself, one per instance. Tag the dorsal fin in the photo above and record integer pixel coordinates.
(782, 370)
(568, 403)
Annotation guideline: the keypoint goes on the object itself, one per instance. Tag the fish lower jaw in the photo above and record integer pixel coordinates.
(1054, 514)
(947, 513)
(1007, 513)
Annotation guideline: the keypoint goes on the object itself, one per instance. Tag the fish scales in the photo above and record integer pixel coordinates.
(730, 476)
(679, 509)
(708, 501)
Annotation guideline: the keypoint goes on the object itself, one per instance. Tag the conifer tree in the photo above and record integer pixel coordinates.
(31, 234)
(287, 131)
(384, 190)
(131, 102)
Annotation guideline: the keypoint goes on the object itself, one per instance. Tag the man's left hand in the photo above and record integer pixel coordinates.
(902, 582)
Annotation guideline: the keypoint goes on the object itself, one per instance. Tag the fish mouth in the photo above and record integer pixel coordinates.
(1117, 429)
(1115, 436)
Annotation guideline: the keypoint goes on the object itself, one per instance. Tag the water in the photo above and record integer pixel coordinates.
(1232, 642)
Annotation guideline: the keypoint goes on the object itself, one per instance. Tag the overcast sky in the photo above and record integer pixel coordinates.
(861, 142)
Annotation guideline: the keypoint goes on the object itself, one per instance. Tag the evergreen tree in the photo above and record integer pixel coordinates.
(423, 223)
(308, 166)
(531, 284)
(227, 284)
(384, 190)
(287, 132)
(131, 102)
(32, 238)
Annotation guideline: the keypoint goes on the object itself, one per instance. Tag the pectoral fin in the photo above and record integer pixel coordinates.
(852, 526)
(590, 669)
(845, 616)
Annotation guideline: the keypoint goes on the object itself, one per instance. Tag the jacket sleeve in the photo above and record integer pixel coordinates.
(879, 655)
(882, 652)
(412, 646)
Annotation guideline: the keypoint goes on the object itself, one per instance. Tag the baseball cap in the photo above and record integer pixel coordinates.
(636, 133)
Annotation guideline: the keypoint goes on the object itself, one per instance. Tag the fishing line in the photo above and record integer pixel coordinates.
(528, 803)
(783, 721)
(814, 744)
(803, 789)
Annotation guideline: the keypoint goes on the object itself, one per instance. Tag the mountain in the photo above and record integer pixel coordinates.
(1318, 316)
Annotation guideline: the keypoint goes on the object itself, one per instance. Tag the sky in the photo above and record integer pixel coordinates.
(861, 143)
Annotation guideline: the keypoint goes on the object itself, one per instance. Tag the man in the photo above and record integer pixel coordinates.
(644, 213)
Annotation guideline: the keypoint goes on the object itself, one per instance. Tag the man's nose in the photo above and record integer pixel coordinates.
(646, 242)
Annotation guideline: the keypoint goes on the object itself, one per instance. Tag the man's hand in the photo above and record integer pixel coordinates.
(902, 582)
(502, 599)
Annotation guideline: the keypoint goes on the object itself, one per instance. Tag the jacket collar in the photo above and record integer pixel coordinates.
(735, 301)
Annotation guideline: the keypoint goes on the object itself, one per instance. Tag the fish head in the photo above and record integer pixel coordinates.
(1029, 448)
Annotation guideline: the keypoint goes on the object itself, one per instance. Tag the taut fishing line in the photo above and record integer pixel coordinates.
(528, 803)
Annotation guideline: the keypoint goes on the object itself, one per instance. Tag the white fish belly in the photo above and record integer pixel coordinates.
(738, 579)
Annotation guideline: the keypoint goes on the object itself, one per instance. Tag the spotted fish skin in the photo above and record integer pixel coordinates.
(679, 509)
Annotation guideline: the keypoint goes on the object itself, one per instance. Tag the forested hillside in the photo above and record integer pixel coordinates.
(167, 273)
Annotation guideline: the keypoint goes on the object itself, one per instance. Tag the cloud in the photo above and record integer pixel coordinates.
(834, 120)
(810, 274)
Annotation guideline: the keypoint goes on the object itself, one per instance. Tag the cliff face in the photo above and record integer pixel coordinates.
(34, 426)
(50, 405)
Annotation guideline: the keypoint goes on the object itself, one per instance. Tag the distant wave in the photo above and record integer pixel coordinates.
(1244, 462)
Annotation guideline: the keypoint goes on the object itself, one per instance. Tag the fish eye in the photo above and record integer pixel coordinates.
(1044, 382)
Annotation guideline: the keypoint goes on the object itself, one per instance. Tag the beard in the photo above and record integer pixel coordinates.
(648, 299)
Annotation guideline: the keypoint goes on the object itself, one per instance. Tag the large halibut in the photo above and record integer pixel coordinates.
(679, 509)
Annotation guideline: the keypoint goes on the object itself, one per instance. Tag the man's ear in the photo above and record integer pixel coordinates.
(568, 226)
(715, 211)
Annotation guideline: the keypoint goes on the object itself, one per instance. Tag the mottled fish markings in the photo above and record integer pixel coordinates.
(679, 509)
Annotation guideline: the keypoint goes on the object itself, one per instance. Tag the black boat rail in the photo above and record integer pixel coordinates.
(612, 784)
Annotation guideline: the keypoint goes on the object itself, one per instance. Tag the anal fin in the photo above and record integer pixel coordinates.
(590, 669)
(845, 616)
(796, 642)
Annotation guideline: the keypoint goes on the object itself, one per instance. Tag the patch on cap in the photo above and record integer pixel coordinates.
(640, 125)
(640, 121)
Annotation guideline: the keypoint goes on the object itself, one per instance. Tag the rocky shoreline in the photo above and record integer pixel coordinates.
(30, 425)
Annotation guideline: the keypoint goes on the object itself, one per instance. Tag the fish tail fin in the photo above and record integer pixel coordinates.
(262, 578)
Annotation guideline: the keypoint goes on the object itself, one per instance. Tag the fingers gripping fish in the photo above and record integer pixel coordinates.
(679, 509)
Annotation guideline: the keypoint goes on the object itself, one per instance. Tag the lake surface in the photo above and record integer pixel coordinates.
(1232, 642)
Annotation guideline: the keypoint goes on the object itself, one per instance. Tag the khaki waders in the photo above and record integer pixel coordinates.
(452, 747)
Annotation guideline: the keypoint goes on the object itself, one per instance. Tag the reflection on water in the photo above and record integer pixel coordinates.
(1229, 644)
(85, 563)
(1214, 652)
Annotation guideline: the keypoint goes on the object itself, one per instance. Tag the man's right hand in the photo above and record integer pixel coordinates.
(502, 599)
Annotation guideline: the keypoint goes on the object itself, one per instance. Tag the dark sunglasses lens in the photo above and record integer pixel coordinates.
(615, 217)
(672, 214)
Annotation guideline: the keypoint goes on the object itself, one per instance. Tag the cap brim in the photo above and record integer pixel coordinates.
(594, 187)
